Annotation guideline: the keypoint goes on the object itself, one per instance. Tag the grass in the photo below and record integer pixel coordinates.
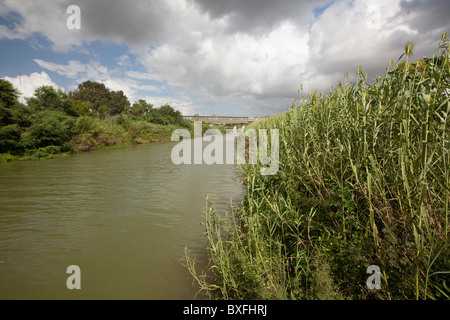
(364, 180)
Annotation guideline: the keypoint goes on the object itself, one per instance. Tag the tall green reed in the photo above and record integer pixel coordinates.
(363, 180)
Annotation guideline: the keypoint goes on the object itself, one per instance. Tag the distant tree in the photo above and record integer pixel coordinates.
(8, 98)
(21, 115)
(8, 94)
(167, 115)
(140, 108)
(100, 96)
(5, 117)
(47, 98)
(118, 102)
(94, 92)
(163, 115)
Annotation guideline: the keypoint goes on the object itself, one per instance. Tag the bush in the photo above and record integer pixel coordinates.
(67, 148)
(48, 128)
(10, 139)
(5, 116)
(6, 157)
(47, 98)
(84, 124)
(21, 115)
(44, 153)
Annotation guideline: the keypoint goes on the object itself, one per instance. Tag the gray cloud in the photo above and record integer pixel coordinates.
(139, 22)
(257, 16)
(252, 54)
(426, 15)
(341, 38)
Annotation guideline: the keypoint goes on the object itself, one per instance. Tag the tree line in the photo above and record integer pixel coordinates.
(48, 118)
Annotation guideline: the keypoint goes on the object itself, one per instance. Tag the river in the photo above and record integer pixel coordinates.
(123, 216)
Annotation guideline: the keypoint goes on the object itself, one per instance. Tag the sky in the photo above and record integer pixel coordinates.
(225, 57)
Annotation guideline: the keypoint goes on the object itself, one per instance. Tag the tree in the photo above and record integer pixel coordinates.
(8, 94)
(8, 98)
(21, 115)
(5, 116)
(167, 115)
(118, 102)
(100, 97)
(10, 139)
(94, 92)
(140, 108)
(47, 98)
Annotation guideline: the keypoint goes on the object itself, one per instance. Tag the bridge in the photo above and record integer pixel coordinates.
(221, 119)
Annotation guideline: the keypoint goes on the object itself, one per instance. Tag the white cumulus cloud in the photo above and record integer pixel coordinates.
(248, 55)
(28, 84)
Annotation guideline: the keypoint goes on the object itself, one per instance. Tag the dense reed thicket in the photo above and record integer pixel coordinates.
(363, 180)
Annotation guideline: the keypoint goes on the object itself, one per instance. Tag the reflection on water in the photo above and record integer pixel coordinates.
(123, 216)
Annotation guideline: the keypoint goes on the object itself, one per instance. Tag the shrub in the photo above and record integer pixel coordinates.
(21, 115)
(47, 98)
(10, 139)
(84, 124)
(48, 128)
(5, 116)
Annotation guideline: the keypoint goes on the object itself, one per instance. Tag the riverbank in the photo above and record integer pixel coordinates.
(90, 134)
(93, 134)
(53, 123)
(363, 185)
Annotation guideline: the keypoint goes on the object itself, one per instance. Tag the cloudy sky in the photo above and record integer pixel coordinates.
(229, 57)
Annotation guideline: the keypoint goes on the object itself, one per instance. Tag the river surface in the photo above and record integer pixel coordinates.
(123, 216)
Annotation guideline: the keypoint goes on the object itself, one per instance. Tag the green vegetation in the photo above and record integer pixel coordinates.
(364, 180)
(53, 123)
